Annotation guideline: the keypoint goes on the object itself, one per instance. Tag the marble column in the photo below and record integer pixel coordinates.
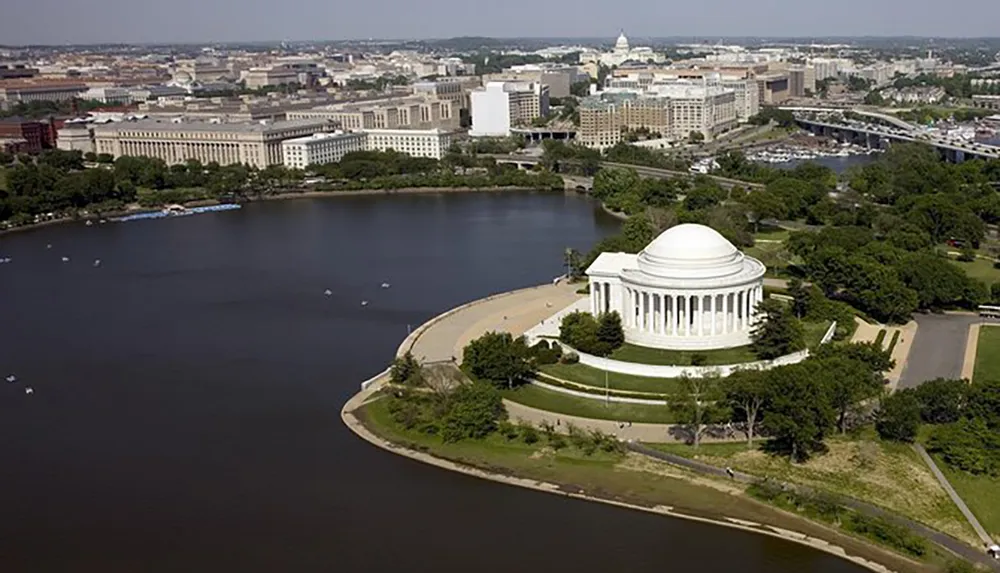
(712, 311)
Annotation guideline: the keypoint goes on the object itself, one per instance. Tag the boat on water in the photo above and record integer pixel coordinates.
(386, 285)
(364, 303)
(11, 379)
(177, 211)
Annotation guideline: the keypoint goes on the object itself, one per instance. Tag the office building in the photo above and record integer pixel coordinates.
(986, 101)
(432, 143)
(670, 111)
(499, 106)
(801, 81)
(108, 94)
(33, 136)
(772, 88)
(35, 89)
(254, 144)
(412, 112)
(320, 148)
(558, 78)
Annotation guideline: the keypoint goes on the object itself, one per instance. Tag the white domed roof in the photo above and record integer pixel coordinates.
(690, 251)
(622, 42)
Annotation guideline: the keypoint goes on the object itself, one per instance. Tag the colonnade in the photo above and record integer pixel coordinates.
(681, 314)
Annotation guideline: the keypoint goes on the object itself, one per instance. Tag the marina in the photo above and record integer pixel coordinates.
(176, 211)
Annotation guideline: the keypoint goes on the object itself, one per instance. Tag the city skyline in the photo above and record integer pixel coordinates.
(118, 21)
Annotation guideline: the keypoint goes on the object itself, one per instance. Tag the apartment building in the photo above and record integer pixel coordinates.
(498, 106)
(255, 144)
(413, 112)
(432, 143)
(320, 148)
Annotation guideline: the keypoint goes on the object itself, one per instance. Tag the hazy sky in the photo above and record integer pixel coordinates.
(68, 21)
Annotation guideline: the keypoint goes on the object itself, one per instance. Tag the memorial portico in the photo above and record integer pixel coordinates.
(689, 289)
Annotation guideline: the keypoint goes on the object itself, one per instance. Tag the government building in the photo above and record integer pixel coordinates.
(254, 144)
(689, 289)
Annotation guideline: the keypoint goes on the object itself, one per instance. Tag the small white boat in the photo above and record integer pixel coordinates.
(386, 285)
(328, 292)
(89, 223)
(65, 259)
(11, 378)
(29, 390)
(97, 262)
(49, 246)
(103, 221)
(364, 303)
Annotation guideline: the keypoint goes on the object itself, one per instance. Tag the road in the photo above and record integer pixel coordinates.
(938, 349)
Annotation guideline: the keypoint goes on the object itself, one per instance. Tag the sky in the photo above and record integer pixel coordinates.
(204, 21)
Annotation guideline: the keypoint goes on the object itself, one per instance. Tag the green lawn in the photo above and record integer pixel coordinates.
(981, 269)
(771, 233)
(988, 355)
(588, 376)
(543, 399)
(641, 354)
(775, 256)
(886, 474)
(814, 332)
(980, 493)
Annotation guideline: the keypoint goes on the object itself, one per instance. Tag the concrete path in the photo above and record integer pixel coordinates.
(514, 313)
(980, 530)
(656, 433)
(971, 347)
(901, 352)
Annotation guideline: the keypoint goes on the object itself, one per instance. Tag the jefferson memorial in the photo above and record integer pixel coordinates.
(689, 289)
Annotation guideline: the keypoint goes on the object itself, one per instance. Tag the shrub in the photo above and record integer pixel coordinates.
(507, 430)
(545, 353)
(528, 433)
(557, 441)
(886, 532)
(698, 359)
(570, 358)
(474, 411)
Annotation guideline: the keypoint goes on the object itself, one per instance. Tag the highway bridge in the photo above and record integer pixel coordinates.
(878, 136)
(528, 161)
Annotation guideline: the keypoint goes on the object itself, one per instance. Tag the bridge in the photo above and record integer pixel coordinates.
(528, 162)
(873, 135)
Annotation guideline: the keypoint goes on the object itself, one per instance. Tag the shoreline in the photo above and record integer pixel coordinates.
(285, 196)
(820, 532)
(355, 424)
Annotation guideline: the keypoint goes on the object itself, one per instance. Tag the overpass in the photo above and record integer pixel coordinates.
(890, 119)
(528, 162)
(873, 135)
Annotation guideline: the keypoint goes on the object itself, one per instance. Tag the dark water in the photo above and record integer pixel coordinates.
(187, 395)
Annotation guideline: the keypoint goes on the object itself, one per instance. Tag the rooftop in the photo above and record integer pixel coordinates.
(171, 126)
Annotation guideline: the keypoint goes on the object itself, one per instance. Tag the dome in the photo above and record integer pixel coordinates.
(622, 43)
(690, 251)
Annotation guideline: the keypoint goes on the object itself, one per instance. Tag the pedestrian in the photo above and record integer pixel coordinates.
(558, 421)
(630, 424)
(730, 472)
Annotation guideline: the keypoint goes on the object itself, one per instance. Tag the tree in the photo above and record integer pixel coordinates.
(698, 403)
(579, 330)
(474, 410)
(898, 418)
(574, 264)
(499, 358)
(696, 137)
(610, 332)
(800, 297)
(850, 380)
(942, 401)
(406, 370)
(746, 394)
(797, 413)
(777, 332)
(765, 205)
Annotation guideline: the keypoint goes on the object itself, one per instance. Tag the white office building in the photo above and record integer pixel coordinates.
(433, 143)
(498, 106)
(320, 148)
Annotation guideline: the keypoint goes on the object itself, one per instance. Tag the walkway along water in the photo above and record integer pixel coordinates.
(443, 337)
